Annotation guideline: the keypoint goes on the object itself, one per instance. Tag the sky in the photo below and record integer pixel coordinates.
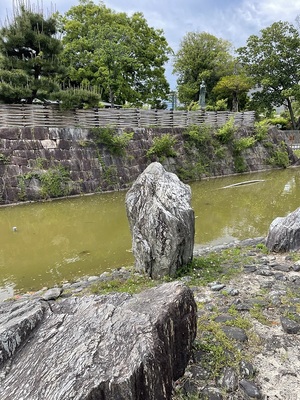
(232, 20)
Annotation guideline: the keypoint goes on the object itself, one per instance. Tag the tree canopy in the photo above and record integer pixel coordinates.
(29, 61)
(119, 55)
(234, 88)
(201, 56)
(272, 60)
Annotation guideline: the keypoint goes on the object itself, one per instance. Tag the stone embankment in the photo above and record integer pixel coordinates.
(40, 163)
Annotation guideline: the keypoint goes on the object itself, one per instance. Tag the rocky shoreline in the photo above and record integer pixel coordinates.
(258, 310)
(248, 342)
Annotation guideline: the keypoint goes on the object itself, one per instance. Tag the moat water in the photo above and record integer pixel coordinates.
(67, 239)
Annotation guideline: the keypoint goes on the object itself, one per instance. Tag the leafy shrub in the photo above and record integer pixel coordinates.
(239, 164)
(55, 182)
(280, 157)
(226, 132)
(220, 151)
(163, 147)
(116, 144)
(198, 134)
(281, 122)
(261, 130)
(221, 105)
(194, 106)
(243, 143)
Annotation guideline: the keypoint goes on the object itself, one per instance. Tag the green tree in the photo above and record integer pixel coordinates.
(234, 88)
(29, 60)
(201, 56)
(120, 55)
(273, 61)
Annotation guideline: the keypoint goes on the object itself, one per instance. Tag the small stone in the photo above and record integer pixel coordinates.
(232, 291)
(78, 290)
(280, 277)
(250, 389)
(52, 294)
(283, 268)
(249, 268)
(246, 369)
(211, 393)
(66, 285)
(266, 285)
(76, 285)
(189, 387)
(289, 326)
(229, 380)
(217, 287)
(264, 272)
(199, 372)
(242, 306)
(224, 318)
(296, 266)
(93, 278)
(235, 333)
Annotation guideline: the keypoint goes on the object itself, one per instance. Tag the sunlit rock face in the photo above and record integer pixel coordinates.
(98, 347)
(161, 220)
(284, 233)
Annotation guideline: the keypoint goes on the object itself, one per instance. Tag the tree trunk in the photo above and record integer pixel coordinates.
(235, 102)
(111, 97)
(291, 113)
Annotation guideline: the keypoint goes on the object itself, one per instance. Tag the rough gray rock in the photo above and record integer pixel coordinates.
(284, 233)
(17, 321)
(289, 326)
(52, 294)
(250, 389)
(106, 347)
(161, 220)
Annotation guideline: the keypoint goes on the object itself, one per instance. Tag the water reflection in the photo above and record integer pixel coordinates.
(62, 240)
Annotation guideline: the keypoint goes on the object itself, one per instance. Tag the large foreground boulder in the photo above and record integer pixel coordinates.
(114, 347)
(284, 233)
(161, 220)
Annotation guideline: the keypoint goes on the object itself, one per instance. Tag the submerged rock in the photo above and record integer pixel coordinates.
(106, 347)
(161, 220)
(284, 233)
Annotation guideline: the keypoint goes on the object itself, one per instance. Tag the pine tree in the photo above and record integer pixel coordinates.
(29, 57)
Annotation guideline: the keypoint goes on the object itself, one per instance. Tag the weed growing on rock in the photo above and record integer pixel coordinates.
(4, 159)
(216, 346)
(226, 133)
(257, 312)
(54, 182)
(199, 135)
(280, 157)
(109, 137)
(162, 147)
(243, 143)
(261, 130)
(135, 284)
(263, 248)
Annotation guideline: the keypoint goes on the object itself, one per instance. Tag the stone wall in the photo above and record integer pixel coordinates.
(38, 163)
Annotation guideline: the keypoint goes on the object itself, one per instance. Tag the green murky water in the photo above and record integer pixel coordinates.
(65, 239)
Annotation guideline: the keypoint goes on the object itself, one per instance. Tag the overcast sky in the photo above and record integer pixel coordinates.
(233, 20)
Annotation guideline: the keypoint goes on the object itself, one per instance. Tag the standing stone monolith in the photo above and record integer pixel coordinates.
(162, 222)
(284, 233)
